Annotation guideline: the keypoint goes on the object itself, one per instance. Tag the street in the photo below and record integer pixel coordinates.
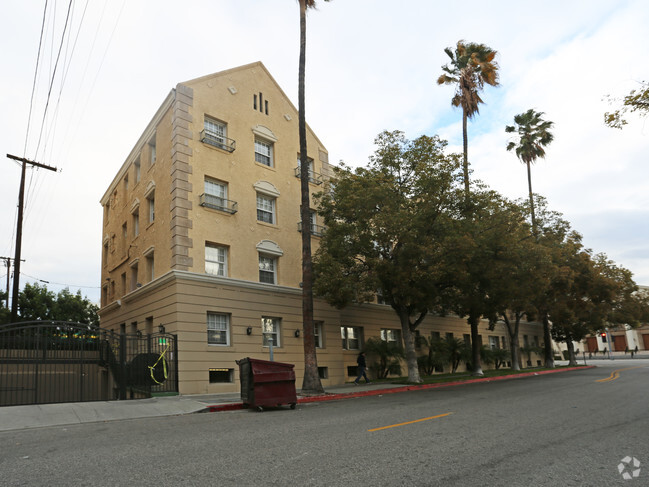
(581, 428)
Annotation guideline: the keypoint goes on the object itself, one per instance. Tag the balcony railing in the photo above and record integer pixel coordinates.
(316, 230)
(218, 203)
(212, 138)
(314, 177)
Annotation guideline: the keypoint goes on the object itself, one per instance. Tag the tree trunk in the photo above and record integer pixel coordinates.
(409, 345)
(475, 346)
(572, 359)
(465, 143)
(529, 185)
(311, 381)
(547, 345)
(514, 346)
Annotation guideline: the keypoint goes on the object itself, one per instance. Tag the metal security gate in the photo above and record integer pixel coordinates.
(51, 362)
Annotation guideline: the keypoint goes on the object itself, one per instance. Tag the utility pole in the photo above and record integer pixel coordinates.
(19, 230)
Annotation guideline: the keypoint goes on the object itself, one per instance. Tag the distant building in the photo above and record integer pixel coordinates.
(201, 233)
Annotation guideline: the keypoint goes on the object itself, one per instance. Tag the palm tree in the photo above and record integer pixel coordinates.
(311, 381)
(471, 66)
(533, 135)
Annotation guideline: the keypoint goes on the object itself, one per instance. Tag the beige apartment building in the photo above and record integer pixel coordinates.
(201, 234)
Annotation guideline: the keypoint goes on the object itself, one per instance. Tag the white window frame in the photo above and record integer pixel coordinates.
(219, 325)
(266, 205)
(268, 266)
(318, 330)
(352, 337)
(216, 129)
(271, 326)
(391, 335)
(151, 201)
(217, 259)
(264, 152)
(152, 150)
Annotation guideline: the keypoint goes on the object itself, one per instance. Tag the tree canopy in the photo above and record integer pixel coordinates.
(386, 226)
(36, 302)
(637, 101)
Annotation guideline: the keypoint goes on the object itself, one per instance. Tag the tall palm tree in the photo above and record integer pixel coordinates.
(533, 135)
(471, 66)
(311, 381)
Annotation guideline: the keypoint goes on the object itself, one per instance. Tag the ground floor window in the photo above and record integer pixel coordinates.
(221, 375)
(351, 337)
(323, 372)
(270, 328)
(391, 336)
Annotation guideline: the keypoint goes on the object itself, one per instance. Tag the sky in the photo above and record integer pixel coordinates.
(372, 65)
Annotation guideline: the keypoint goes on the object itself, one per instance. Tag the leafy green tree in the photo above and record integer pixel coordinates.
(457, 351)
(75, 308)
(5, 313)
(554, 235)
(387, 356)
(436, 356)
(533, 135)
(311, 381)
(35, 302)
(636, 101)
(477, 257)
(471, 66)
(386, 227)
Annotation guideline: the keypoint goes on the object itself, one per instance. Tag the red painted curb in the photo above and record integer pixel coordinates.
(394, 390)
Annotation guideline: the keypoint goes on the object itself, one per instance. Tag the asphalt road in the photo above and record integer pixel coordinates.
(567, 429)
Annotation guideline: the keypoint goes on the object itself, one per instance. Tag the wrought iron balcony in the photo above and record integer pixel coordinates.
(316, 230)
(216, 140)
(314, 177)
(218, 203)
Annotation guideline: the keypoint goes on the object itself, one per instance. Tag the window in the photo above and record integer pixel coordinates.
(218, 329)
(467, 339)
(215, 134)
(317, 331)
(351, 337)
(323, 372)
(449, 335)
(270, 328)
(216, 260)
(221, 375)
(494, 343)
(152, 151)
(151, 200)
(136, 223)
(125, 183)
(266, 209)
(150, 261)
(263, 152)
(134, 269)
(393, 336)
(267, 269)
(216, 193)
(124, 236)
(136, 164)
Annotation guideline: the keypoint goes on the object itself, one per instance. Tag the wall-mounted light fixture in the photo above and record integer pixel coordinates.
(297, 333)
(161, 328)
(249, 330)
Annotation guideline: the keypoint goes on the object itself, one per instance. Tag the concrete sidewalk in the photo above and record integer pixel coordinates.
(44, 415)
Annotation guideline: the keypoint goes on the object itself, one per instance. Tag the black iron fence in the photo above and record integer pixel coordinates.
(49, 362)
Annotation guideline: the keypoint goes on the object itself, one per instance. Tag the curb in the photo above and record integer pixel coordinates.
(395, 390)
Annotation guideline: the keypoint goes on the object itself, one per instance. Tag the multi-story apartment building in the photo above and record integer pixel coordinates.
(201, 234)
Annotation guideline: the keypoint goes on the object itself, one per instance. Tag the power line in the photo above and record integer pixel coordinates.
(73, 286)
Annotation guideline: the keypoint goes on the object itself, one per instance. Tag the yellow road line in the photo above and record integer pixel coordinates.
(409, 422)
(616, 374)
